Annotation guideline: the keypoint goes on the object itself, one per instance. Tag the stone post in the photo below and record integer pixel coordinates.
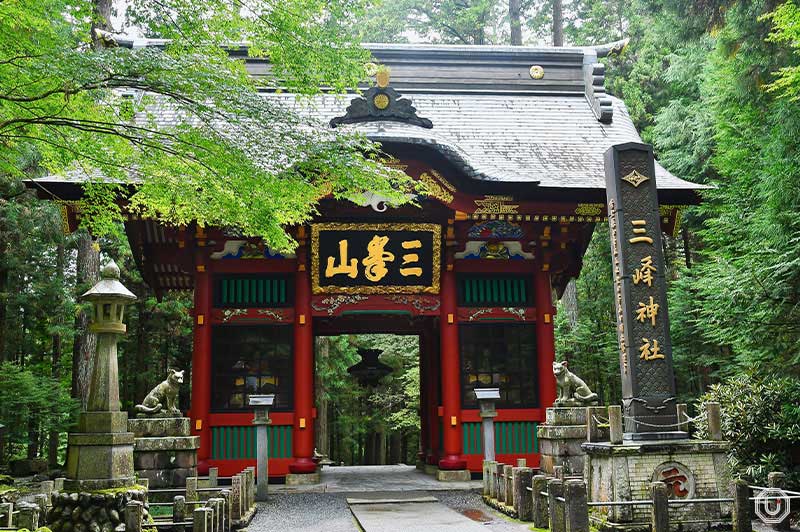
(594, 432)
(539, 501)
(28, 516)
(777, 479)
(523, 501)
(683, 415)
(485, 477)
(499, 490)
(742, 520)
(236, 497)
(555, 489)
(40, 500)
(6, 514)
(213, 476)
(58, 484)
(47, 487)
(215, 504)
(201, 518)
(261, 404)
(713, 415)
(491, 469)
(615, 433)
(179, 512)
(226, 496)
(522, 462)
(508, 485)
(134, 511)
(191, 489)
(486, 400)
(659, 511)
(576, 514)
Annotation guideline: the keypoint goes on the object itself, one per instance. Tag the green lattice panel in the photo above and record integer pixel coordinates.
(251, 291)
(474, 290)
(510, 437)
(239, 442)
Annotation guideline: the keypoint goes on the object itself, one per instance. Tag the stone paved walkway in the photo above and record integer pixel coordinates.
(437, 507)
(348, 479)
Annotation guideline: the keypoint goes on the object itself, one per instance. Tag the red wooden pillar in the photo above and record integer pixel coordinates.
(451, 376)
(201, 360)
(303, 433)
(545, 339)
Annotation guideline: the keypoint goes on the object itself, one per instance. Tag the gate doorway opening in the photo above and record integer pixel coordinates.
(367, 423)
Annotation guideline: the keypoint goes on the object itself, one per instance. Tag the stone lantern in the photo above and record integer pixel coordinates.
(100, 452)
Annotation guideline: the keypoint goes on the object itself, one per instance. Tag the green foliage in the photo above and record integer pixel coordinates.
(761, 419)
(355, 412)
(28, 397)
(236, 159)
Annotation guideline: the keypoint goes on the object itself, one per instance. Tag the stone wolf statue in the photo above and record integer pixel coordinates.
(572, 391)
(163, 399)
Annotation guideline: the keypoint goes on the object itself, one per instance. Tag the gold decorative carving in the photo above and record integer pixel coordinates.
(635, 178)
(436, 252)
(495, 205)
(536, 72)
(381, 101)
(589, 209)
(437, 186)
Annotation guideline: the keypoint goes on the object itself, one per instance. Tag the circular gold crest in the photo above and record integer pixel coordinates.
(537, 72)
(381, 101)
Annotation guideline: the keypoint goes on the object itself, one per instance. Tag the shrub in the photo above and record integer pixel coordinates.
(761, 419)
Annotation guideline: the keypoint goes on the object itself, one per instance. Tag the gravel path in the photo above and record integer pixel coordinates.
(328, 512)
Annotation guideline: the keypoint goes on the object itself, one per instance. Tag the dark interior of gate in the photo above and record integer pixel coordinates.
(509, 143)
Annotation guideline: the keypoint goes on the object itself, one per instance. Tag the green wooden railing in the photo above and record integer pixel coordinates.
(251, 291)
(239, 443)
(495, 290)
(510, 437)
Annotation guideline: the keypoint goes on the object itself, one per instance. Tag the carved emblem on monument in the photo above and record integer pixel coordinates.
(163, 399)
(678, 478)
(572, 391)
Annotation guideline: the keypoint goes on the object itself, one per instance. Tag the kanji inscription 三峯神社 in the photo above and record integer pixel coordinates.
(648, 387)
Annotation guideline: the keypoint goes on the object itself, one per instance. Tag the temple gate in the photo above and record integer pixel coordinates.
(510, 143)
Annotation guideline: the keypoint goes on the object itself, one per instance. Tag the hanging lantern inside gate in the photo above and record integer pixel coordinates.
(369, 371)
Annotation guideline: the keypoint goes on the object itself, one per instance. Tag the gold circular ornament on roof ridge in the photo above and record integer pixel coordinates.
(381, 101)
(537, 72)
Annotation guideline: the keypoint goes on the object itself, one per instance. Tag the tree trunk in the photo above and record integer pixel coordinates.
(87, 273)
(558, 23)
(687, 252)
(55, 369)
(101, 20)
(569, 303)
(514, 19)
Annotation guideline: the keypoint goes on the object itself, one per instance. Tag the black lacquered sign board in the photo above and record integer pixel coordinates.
(375, 258)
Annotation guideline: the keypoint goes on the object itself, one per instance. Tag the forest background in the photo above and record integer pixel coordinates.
(712, 84)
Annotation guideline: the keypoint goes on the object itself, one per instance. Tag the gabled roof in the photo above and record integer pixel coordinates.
(533, 116)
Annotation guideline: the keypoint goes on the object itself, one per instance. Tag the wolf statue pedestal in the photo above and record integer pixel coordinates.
(164, 452)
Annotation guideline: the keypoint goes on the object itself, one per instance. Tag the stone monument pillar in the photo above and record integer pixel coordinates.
(655, 446)
(100, 451)
(486, 399)
(261, 404)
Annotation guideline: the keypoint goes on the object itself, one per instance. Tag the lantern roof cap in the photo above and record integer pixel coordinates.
(109, 285)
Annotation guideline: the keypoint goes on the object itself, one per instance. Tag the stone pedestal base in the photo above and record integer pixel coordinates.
(458, 475)
(692, 469)
(93, 511)
(560, 439)
(99, 455)
(163, 450)
(293, 479)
